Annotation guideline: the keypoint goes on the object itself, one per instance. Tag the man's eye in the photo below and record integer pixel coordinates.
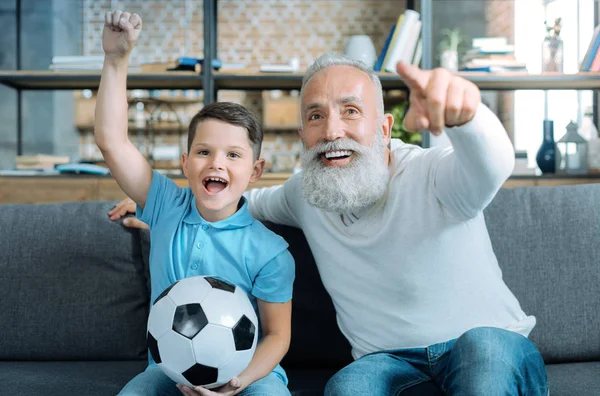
(314, 117)
(352, 111)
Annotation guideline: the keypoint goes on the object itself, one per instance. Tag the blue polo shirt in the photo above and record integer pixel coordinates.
(240, 248)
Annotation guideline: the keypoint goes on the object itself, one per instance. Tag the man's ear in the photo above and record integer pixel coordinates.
(259, 165)
(301, 133)
(184, 158)
(386, 127)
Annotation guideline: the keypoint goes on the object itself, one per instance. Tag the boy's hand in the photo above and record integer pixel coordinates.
(232, 388)
(121, 31)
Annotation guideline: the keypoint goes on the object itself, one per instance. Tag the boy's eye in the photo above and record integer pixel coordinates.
(203, 152)
(234, 155)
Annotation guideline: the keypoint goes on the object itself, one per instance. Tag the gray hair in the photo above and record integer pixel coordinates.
(330, 59)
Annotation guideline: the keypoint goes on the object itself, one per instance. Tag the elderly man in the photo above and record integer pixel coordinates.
(399, 236)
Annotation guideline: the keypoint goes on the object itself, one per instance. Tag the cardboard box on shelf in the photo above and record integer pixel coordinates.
(281, 112)
(84, 109)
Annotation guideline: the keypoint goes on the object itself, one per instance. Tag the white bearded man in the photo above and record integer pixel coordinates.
(399, 237)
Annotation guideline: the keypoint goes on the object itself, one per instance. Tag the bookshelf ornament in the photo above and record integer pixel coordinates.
(546, 155)
(552, 49)
(572, 152)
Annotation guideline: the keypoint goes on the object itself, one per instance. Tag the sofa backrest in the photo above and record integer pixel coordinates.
(547, 240)
(74, 285)
(317, 341)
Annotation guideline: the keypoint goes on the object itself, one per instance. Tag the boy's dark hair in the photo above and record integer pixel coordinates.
(231, 113)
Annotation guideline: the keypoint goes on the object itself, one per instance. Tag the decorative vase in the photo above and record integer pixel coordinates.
(449, 60)
(552, 55)
(546, 155)
(361, 47)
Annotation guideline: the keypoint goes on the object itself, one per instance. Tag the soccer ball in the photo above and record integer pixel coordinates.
(202, 331)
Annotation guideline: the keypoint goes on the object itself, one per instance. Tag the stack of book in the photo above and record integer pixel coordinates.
(403, 43)
(39, 161)
(491, 54)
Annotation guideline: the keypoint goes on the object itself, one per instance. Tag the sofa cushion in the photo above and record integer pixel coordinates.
(547, 240)
(569, 379)
(74, 284)
(67, 378)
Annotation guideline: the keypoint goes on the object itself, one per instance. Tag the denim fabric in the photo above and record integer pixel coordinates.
(154, 382)
(483, 361)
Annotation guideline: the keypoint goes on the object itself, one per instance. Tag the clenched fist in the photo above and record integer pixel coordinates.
(121, 31)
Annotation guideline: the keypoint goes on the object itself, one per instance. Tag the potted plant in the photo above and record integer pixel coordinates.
(398, 111)
(451, 47)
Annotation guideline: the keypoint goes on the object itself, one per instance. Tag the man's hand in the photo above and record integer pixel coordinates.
(232, 388)
(438, 99)
(121, 31)
(123, 208)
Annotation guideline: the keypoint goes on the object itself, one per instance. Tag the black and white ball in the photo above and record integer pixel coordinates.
(202, 331)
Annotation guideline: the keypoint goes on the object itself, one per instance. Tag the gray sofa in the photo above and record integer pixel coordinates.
(75, 293)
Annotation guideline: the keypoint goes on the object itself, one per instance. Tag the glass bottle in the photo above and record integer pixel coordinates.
(546, 155)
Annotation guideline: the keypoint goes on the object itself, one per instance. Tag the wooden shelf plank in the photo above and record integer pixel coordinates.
(43, 80)
(46, 80)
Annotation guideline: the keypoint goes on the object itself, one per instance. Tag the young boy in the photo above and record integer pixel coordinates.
(205, 229)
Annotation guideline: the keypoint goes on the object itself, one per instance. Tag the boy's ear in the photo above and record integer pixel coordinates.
(259, 165)
(184, 158)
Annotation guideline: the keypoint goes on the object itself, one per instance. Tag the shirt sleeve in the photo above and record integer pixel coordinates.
(164, 193)
(274, 282)
(468, 176)
(276, 204)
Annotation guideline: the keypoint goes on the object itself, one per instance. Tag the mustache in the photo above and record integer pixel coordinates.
(336, 145)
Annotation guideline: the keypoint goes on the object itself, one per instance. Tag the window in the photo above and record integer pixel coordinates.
(532, 107)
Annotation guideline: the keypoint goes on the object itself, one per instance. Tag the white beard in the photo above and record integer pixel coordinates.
(349, 188)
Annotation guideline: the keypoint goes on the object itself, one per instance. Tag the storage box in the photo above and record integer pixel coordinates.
(282, 112)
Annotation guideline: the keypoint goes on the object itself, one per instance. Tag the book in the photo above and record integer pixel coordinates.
(396, 52)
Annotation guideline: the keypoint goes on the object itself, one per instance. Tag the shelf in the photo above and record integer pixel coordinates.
(258, 81)
(40, 80)
(515, 81)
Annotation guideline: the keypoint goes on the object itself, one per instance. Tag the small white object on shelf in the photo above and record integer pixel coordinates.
(292, 66)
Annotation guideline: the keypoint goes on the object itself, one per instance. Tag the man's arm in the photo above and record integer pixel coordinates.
(265, 204)
(127, 165)
(276, 204)
(467, 177)
(482, 158)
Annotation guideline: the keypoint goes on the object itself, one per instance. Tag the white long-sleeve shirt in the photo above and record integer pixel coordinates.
(418, 267)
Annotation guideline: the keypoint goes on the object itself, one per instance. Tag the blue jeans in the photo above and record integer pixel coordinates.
(483, 361)
(154, 382)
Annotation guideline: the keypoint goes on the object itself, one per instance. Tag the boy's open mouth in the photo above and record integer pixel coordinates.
(214, 184)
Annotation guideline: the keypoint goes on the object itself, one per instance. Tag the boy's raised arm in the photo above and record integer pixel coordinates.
(127, 165)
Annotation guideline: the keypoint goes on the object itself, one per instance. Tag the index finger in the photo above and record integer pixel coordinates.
(413, 77)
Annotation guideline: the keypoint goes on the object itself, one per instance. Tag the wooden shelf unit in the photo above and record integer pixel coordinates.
(49, 80)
